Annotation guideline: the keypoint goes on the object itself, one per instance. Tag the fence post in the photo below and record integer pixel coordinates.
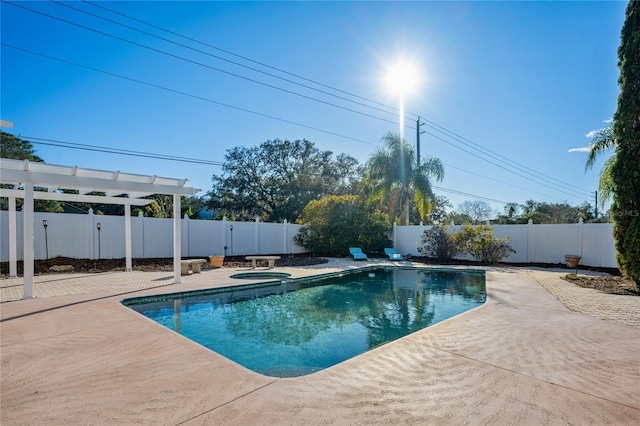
(285, 233)
(224, 234)
(141, 217)
(92, 245)
(257, 236)
(127, 238)
(530, 241)
(580, 236)
(186, 224)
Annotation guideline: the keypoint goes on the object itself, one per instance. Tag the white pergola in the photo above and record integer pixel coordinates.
(119, 188)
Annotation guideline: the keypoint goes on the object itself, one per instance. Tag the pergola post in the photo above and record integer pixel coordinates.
(177, 239)
(27, 215)
(127, 236)
(13, 246)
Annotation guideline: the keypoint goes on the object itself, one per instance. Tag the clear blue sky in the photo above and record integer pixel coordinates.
(525, 80)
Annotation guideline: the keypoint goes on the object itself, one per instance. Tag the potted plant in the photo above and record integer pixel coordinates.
(572, 260)
(216, 260)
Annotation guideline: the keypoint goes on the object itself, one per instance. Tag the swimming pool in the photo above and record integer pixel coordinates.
(289, 328)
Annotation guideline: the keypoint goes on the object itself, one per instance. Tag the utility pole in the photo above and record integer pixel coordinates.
(596, 194)
(418, 133)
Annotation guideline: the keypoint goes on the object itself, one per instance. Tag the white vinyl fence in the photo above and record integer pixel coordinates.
(543, 243)
(77, 236)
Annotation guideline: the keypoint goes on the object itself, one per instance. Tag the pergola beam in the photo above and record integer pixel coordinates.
(30, 174)
(92, 183)
(78, 198)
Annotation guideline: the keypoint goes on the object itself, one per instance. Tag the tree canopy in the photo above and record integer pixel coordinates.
(276, 180)
(16, 148)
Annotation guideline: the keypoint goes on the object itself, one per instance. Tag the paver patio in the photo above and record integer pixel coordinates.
(74, 355)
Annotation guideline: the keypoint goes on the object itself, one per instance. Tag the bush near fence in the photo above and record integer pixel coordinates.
(536, 243)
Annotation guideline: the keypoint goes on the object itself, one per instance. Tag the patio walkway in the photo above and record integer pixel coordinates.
(528, 356)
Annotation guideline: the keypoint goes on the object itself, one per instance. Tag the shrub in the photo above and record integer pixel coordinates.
(439, 243)
(337, 222)
(480, 243)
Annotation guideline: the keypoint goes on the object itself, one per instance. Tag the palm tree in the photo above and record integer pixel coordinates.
(601, 142)
(394, 177)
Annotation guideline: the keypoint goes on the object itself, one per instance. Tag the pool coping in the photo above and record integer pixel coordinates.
(258, 283)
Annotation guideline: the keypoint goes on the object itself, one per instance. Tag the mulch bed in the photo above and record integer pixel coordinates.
(606, 284)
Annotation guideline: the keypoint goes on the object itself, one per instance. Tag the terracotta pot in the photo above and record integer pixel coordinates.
(216, 261)
(572, 261)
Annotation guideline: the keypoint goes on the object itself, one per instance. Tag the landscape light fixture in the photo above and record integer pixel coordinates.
(45, 223)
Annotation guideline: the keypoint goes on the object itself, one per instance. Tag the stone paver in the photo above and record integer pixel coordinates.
(62, 284)
(522, 358)
(611, 307)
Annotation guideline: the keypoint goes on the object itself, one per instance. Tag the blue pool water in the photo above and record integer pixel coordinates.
(292, 328)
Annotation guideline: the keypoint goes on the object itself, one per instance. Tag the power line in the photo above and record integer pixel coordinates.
(499, 166)
(436, 127)
(429, 123)
(98, 148)
(466, 194)
(219, 57)
(184, 93)
(110, 150)
(153, 49)
(396, 109)
(229, 106)
(497, 180)
(494, 154)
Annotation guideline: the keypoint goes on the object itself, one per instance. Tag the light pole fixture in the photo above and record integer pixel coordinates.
(99, 226)
(231, 229)
(45, 223)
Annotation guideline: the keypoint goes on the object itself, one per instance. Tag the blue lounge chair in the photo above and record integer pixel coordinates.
(357, 254)
(393, 254)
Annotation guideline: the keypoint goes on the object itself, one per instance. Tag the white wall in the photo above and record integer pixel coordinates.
(543, 243)
(76, 236)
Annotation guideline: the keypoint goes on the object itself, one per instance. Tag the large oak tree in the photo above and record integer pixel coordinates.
(276, 180)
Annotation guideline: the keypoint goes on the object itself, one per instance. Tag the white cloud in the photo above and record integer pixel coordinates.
(581, 149)
(592, 133)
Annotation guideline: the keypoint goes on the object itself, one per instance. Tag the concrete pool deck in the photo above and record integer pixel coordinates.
(539, 351)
